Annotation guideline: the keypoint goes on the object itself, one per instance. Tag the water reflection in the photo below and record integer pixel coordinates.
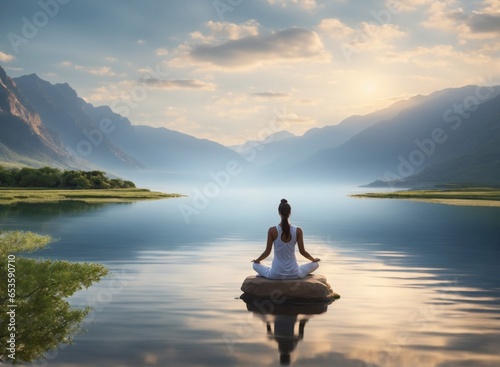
(282, 321)
(419, 284)
(49, 210)
(35, 315)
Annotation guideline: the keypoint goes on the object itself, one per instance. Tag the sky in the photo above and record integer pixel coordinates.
(238, 70)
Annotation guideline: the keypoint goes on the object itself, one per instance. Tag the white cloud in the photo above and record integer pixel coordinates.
(110, 92)
(305, 4)
(220, 32)
(367, 36)
(99, 71)
(180, 84)
(161, 52)
(450, 17)
(334, 28)
(441, 56)
(407, 5)
(6, 57)
(444, 15)
(491, 6)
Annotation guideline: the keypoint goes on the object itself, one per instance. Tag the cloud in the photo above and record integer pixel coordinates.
(227, 31)
(161, 52)
(111, 92)
(484, 22)
(448, 16)
(407, 5)
(270, 95)
(305, 4)
(99, 71)
(180, 84)
(440, 56)
(6, 57)
(491, 6)
(368, 36)
(292, 44)
(334, 28)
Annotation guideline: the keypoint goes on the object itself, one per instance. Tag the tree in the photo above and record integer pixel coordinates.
(43, 317)
(6, 178)
(48, 177)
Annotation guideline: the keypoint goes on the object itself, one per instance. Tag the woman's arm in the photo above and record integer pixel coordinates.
(302, 249)
(271, 236)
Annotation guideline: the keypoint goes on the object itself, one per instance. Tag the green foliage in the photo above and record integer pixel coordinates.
(13, 242)
(48, 177)
(44, 318)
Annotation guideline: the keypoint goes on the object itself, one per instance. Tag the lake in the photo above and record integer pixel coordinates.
(419, 282)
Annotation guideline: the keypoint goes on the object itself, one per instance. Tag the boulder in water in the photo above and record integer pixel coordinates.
(312, 288)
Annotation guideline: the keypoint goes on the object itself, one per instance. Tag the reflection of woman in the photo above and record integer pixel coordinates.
(284, 334)
(284, 237)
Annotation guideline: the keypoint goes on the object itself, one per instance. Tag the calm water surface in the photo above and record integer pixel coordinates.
(419, 282)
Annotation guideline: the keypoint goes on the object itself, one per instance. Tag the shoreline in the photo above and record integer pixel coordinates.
(486, 197)
(10, 196)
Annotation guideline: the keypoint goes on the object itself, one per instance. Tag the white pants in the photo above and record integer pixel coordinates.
(304, 269)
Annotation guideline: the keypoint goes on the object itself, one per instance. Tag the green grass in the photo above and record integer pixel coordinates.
(475, 196)
(21, 195)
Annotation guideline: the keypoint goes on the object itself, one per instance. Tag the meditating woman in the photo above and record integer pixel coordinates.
(284, 237)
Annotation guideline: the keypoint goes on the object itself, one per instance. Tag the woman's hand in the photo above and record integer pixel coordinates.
(255, 261)
(315, 260)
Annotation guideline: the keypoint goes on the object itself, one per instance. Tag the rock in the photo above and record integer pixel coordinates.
(312, 288)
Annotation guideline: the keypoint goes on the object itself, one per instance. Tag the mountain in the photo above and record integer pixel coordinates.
(61, 122)
(24, 139)
(272, 138)
(478, 161)
(267, 150)
(450, 136)
(284, 153)
(443, 126)
(63, 112)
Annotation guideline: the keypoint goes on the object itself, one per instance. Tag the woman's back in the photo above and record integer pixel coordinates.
(283, 238)
(284, 264)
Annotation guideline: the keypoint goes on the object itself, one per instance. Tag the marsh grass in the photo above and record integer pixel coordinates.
(476, 196)
(21, 195)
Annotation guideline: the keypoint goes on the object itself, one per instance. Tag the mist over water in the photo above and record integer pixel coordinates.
(418, 281)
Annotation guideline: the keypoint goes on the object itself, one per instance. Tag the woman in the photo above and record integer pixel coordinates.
(284, 237)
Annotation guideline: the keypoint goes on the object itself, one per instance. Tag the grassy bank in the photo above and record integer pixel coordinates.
(471, 196)
(22, 195)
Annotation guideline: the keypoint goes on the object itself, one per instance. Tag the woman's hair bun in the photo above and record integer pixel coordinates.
(284, 201)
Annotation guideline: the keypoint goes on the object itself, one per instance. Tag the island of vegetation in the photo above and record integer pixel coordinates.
(49, 185)
(452, 195)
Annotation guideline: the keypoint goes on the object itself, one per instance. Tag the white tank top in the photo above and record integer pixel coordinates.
(284, 265)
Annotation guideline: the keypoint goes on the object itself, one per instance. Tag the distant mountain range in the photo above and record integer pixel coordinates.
(450, 136)
(48, 124)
